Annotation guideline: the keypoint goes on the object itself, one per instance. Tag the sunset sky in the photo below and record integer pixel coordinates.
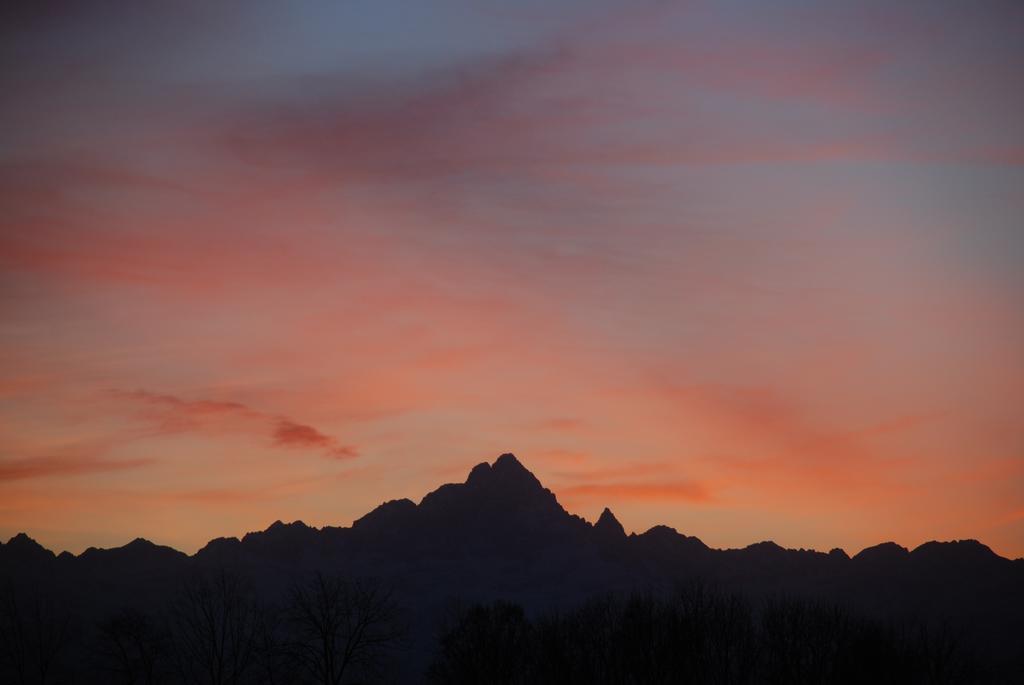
(751, 270)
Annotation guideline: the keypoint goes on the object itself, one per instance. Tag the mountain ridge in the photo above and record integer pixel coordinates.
(508, 482)
(501, 535)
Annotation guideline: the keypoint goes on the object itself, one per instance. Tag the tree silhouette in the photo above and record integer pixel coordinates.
(132, 648)
(485, 644)
(697, 636)
(274, 663)
(214, 623)
(340, 628)
(35, 631)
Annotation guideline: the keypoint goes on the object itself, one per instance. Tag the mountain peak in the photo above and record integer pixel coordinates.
(505, 473)
(884, 553)
(505, 466)
(24, 548)
(140, 543)
(765, 548)
(954, 551)
(508, 461)
(387, 515)
(479, 473)
(22, 539)
(138, 551)
(22, 542)
(502, 495)
(608, 525)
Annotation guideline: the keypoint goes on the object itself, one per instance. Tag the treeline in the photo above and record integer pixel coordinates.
(216, 631)
(694, 636)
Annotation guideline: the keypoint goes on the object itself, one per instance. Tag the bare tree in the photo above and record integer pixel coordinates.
(488, 643)
(34, 634)
(132, 648)
(341, 628)
(274, 662)
(214, 625)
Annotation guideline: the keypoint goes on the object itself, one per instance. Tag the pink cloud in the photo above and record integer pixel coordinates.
(173, 414)
(290, 434)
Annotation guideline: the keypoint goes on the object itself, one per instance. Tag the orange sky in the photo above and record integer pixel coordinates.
(754, 274)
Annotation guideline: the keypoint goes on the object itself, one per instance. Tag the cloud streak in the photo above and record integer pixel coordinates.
(171, 414)
(287, 433)
(49, 466)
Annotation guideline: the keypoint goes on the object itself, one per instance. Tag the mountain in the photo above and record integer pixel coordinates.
(502, 535)
(502, 510)
(23, 551)
(608, 527)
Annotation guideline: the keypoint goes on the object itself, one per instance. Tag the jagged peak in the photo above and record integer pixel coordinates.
(666, 537)
(137, 548)
(607, 524)
(663, 533)
(397, 504)
(507, 467)
(281, 526)
(765, 546)
(22, 545)
(386, 513)
(220, 543)
(478, 473)
(504, 488)
(954, 549)
(508, 461)
(22, 540)
(141, 543)
(885, 550)
(278, 530)
(505, 471)
(221, 547)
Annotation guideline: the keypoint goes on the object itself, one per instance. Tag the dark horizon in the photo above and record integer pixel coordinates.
(492, 580)
(607, 518)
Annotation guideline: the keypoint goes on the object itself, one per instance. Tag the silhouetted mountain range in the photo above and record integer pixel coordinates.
(502, 535)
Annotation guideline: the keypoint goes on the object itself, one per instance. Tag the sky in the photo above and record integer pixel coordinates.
(751, 270)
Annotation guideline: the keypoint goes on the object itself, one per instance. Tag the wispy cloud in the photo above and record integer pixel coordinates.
(41, 467)
(290, 434)
(171, 414)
